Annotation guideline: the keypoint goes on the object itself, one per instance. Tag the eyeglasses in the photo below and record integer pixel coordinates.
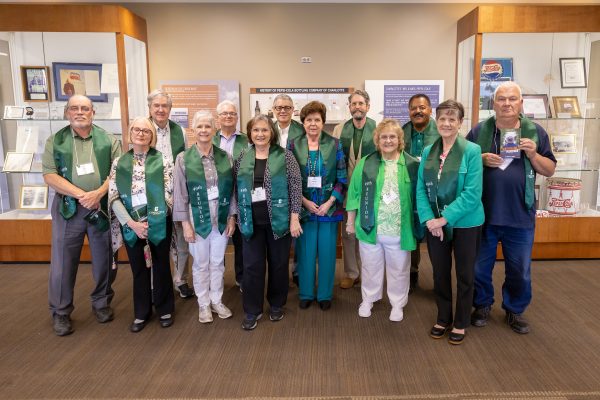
(283, 108)
(137, 130)
(226, 114)
(84, 109)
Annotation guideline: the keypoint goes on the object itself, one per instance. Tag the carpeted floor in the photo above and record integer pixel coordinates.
(310, 354)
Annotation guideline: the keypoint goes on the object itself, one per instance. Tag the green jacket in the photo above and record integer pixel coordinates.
(407, 237)
(466, 210)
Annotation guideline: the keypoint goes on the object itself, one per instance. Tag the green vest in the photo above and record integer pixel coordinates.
(240, 144)
(529, 131)
(177, 137)
(198, 192)
(328, 150)
(280, 217)
(155, 194)
(63, 159)
(368, 146)
(430, 134)
(442, 192)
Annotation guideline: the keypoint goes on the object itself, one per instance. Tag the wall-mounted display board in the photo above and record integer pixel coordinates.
(335, 99)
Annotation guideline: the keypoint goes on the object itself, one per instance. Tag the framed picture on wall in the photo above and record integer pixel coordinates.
(566, 106)
(76, 78)
(33, 197)
(572, 72)
(35, 82)
(563, 143)
(536, 106)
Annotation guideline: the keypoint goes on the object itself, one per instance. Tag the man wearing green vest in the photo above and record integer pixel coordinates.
(419, 133)
(509, 205)
(170, 141)
(356, 136)
(288, 129)
(230, 139)
(76, 164)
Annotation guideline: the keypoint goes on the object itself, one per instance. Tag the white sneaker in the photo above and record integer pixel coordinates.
(221, 310)
(204, 315)
(397, 314)
(364, 310)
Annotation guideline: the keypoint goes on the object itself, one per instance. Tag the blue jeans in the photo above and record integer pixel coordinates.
(516, 247)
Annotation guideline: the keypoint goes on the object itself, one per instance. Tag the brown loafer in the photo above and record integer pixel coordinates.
(348, 283)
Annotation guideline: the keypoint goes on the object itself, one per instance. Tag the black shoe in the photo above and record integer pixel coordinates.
(104, 314)
(250, 321)
(456, 338)
(325, 305)
(185, 292)
(517, 322)
(62, 325)
(414, 281)
(166, 321)
(135, 327)
(480, 316)
(304, 304)
(276, 314)
(438, 333)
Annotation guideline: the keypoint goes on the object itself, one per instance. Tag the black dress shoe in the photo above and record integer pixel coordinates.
(438, 333)
(135, 327)
(166, 322)
(456, 338)
(480, 316)
(104, 315)
(325, 305)
(414, 281)
(517, 322)
(304, 304)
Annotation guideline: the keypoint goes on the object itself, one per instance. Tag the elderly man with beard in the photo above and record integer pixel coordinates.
(170, 141)
(419, 133)
(356, 136)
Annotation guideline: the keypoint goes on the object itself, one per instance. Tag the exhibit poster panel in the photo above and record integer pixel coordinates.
(191, 96)
(389, 98)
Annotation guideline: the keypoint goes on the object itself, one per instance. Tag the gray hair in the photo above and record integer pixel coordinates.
(224, 103)
(75, 96)
(203, 114)
(362, 93)
(159, 93)
(283, 96)
(506, 85)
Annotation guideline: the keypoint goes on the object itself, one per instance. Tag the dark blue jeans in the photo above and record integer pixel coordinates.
(516, 247)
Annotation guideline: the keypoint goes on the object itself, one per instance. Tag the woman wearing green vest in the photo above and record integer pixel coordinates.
(449, 203)
(323, 169)
(269, 193)
(141, 196)
(203, 202)
(381, 190)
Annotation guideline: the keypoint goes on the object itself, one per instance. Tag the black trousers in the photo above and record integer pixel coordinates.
(159, 276)
(238, 254)
(259, 251)
(465, 244)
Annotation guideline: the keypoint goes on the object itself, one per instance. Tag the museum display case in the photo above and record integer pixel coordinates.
(553, 53)
(45, 58)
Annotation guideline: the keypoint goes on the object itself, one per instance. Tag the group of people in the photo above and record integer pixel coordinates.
(286, 184)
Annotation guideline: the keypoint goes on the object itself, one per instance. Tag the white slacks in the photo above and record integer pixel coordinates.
(385, 254)
(209, 266)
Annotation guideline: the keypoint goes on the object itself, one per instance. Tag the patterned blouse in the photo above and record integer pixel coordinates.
(388, 218)
(294, 185)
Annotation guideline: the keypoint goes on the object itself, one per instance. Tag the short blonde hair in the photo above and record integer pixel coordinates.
(148, 121)
(389, 124)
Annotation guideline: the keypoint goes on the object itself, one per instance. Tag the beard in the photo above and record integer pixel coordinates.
(359, 115)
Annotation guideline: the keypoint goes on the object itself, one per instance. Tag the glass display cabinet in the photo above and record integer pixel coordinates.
(48, 53)
(553, 53)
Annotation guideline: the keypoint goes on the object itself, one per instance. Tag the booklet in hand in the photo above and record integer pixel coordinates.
(509, 143)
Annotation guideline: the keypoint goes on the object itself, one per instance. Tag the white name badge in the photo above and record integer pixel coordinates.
(85, 169)
(213, 192)
(139, 199)
(259, 194)
(314, 182)
(389, 197)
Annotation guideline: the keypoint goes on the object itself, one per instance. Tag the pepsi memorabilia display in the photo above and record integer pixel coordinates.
(494, 71)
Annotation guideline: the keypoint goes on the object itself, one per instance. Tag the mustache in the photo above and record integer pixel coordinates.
(419, 114)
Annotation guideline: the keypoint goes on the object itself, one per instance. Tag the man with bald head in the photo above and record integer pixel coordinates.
(76, 164)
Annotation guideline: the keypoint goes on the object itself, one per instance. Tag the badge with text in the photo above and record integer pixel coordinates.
(389, 197)
(213, 192)
(259, 194)
(314, 182)
(85, 169)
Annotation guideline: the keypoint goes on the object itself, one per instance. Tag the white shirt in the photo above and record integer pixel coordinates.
(283, 135)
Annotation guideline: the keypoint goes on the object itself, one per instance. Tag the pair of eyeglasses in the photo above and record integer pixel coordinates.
(77, 108)
(283, 108)
(137, 130)
(228, 114)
